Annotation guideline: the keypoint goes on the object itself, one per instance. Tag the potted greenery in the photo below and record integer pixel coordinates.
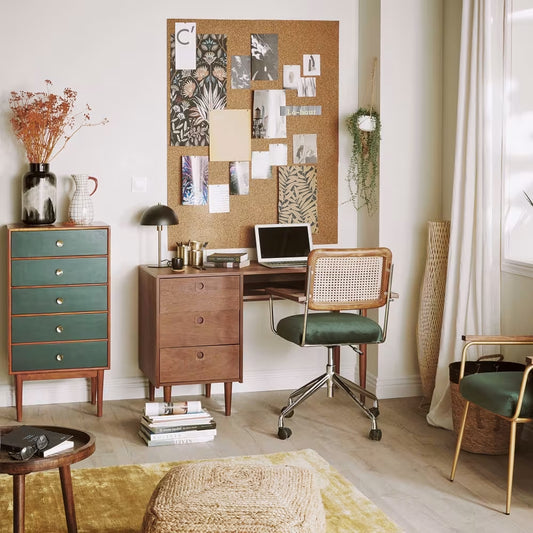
(365, 128)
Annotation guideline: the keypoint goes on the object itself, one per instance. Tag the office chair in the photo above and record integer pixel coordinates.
(508, 395)
(341, 285)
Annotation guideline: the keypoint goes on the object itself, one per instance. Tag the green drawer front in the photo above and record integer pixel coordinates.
(63, 271)
(59, 299)
(59, 356)
(46, 243)
(58, 327)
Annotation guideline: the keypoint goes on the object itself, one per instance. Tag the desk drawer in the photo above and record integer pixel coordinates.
(47, 328)
(58, 299)
(62, 271)
(187, 295)
(59, 356)
(199, 328)
(55, 243)
(199, 363)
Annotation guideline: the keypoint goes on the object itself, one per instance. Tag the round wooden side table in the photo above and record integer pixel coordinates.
(83, 447)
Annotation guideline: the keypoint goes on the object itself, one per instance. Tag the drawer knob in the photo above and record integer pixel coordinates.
(59, 301)
(199, 355)
(200, 320)
(59, 329)
(59, 357)
(59, 244)
(59, 272)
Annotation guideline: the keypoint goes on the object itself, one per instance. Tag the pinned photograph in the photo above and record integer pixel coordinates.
(304, 148)
(311, 65)
(264, 49)
(240, 72)
(307, 87)
(278, 154)
(261, 168)
(291, 75)
(194, 179)
(268, 123)
(239, 177)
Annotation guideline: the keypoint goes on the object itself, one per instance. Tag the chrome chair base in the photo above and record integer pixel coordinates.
(329, 379)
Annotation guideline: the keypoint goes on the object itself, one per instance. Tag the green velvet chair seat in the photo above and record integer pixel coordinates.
(498, 392)
(330, 329)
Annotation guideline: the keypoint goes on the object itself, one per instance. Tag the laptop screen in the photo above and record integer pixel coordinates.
(282, 242)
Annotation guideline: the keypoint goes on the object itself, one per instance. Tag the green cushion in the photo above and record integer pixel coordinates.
(497, 392)
(330, 329)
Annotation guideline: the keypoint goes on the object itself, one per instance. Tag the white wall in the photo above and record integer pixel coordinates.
(114, 55)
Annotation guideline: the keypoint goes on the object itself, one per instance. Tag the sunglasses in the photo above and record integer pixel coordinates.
(29, 451)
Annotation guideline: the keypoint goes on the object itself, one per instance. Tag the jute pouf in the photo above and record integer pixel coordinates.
(214, 496)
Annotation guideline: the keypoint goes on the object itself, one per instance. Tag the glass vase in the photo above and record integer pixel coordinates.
(39, 195)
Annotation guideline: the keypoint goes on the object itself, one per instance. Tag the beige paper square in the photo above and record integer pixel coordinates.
(230, 135)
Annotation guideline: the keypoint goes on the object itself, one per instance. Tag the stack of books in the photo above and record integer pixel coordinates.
(165, 424)
(24, 441)
(227, 260)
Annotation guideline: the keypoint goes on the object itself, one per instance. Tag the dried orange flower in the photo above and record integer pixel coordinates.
(44, 122)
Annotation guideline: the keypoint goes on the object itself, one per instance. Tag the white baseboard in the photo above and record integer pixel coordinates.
(77, 390)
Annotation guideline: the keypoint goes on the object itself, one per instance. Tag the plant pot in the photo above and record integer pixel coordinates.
(366, 123)
(39, 195)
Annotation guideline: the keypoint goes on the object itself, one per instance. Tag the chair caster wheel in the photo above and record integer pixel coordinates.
(289, 414)
(375, 434)
(374, 411)
(284, 433)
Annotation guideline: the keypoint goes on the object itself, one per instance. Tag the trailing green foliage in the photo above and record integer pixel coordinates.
(364, 163)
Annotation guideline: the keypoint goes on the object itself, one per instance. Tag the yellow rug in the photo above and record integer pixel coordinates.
(113, 499)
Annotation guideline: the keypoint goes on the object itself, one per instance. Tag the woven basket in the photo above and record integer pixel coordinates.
(484, 432)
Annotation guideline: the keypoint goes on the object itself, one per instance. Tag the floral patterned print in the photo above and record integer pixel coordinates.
(193, 93)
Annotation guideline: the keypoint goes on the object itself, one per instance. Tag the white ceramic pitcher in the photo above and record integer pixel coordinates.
(81, 210)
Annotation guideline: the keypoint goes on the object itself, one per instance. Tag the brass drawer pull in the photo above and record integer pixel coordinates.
(59, 272)
(59, 244)
(59, 301)
(59, 329)
(59, 357)
(200, 320)
(199, 355)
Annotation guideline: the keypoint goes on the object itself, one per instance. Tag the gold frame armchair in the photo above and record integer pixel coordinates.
(341, 285)
(508, 395)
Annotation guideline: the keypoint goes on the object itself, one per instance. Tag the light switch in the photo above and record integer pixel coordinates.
(139, 184)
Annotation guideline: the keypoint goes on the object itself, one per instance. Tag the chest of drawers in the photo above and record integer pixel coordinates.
(58, 305)
(190, 329)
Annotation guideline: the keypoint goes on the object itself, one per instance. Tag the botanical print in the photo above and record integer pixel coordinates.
(193, 93)
(264, 47)
(239, 177)
(298, 195)
(194, 179)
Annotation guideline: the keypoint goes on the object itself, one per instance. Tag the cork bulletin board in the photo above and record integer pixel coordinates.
(296, 42)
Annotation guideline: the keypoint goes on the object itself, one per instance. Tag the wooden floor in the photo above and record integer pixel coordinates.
(405, 474)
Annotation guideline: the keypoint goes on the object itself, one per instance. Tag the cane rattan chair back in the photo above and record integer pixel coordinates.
(342, 284)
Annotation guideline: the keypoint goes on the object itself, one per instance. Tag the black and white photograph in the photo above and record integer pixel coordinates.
(267, 121)
(240, 72)
(264, 49)
(304, 148)
(291, 75)
(239, 177)
(311, 64)
(307, 87)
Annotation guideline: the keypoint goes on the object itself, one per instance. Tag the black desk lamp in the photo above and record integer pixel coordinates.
(159, 215)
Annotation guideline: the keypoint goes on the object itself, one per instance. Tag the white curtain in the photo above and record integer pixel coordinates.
(472, 299)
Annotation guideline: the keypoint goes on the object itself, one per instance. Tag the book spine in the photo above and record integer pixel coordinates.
(220, 264)
(227, 258)
(180, 435)
(169, 408)
(177, 428)
(167, 442)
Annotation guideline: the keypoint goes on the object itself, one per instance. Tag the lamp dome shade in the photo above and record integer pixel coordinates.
(159, 215)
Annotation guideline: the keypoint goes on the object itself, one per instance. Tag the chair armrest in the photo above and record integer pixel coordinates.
(499, 339)
(286, 294)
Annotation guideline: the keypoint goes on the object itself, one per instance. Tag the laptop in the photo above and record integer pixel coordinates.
(283, 245)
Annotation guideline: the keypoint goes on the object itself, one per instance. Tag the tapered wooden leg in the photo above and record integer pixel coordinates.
(208, 390)
(68, 498)
(93, 390)
(18, 396)
(459, 441)
(227, 397)
(99, 392)
(19, 482)
(167, 393)
(151, 392)
(510, 468)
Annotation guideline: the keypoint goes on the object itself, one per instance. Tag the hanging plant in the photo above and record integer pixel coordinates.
(365, 128)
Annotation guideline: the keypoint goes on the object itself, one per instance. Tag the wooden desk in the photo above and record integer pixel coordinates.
(83, 447)
(190, 323)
